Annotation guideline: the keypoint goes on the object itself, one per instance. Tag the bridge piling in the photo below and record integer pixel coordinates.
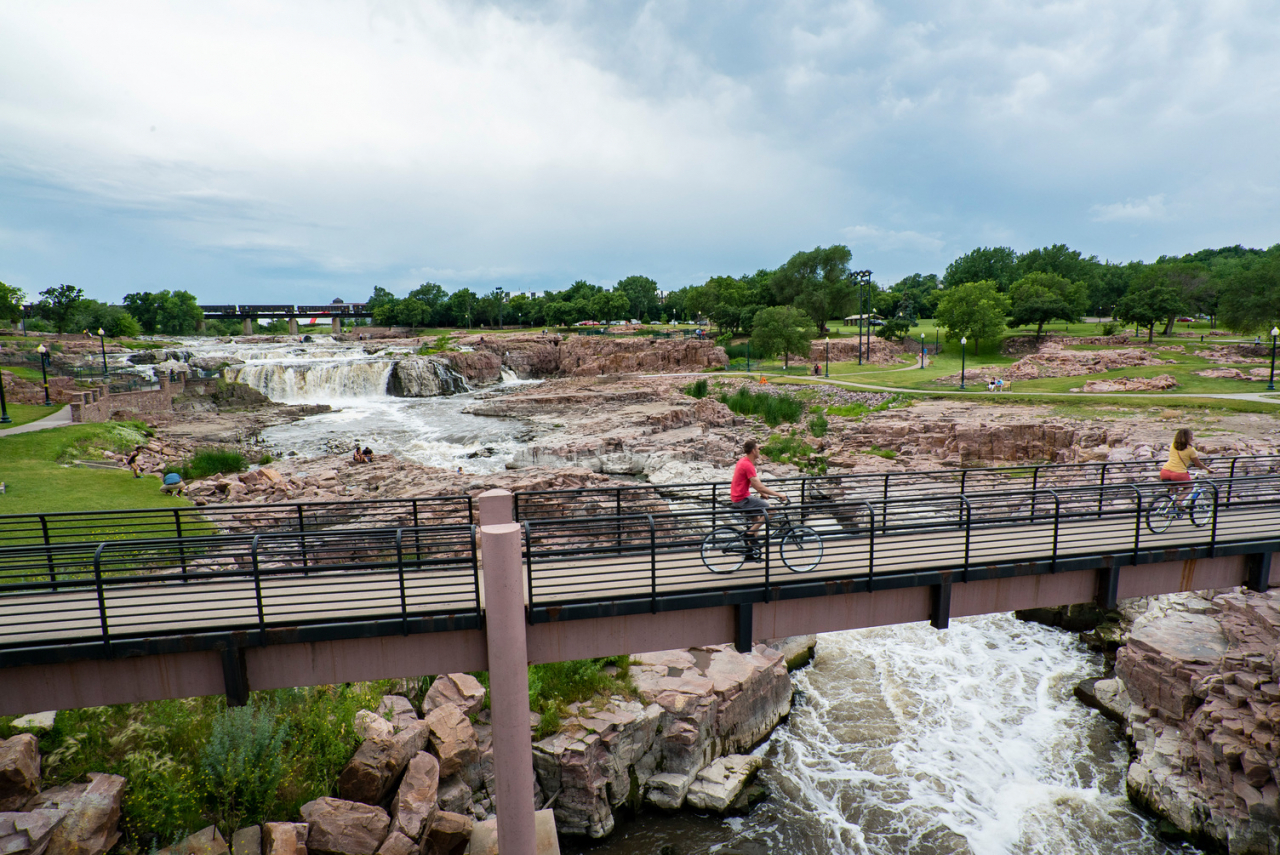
(1258, 571)
(248, 326)
(235, 675)
(505, 631)
(745, 638)
(940, 603)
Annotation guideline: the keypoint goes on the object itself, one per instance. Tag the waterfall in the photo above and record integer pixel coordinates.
(294, 382)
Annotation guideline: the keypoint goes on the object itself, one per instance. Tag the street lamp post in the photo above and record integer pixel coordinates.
(962, 344)
(1271, 383)
(44, 376)
(921, 351)
(103, 343)
(827, 370)
(4, 409)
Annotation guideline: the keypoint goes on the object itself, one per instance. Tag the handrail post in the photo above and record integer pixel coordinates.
(1213, 530)
(1231, 479)
(417, 538)
(653, 566)
(884, 522)
(768, 542)
(1057, 525)
(257, 589)
(1035, 483)
(1137, 525)
(102, 596)
(968, 533)
(1102, 483)
(302, 538)
(617, 517)
(404, 599)
(871, 546)
(48, 553)
(715, 503)
(182, 549)
(528, 559)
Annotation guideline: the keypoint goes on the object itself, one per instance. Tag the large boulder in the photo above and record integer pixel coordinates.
(369, 776)
(461, 690)
(449, 834)
(414, 808)
(19, 771)
(344, 828)
(205, 842)
(484, 837)
(718, 786)
(247, 841)
(452, 739)
(28, 833)
(284, 838)
(399, 710)
(93, 815)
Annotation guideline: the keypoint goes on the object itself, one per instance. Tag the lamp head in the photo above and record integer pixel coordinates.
(1275, 331)
(101, 331)
(963, 340)
(41, 349)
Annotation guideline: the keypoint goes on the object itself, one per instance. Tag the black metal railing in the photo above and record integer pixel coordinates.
(651, 557)
(148, 523)
(116, 590)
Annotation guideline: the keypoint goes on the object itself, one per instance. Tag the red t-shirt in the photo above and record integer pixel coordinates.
(740, 488)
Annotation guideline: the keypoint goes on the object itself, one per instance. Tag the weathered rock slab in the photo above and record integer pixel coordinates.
(207, 841)
(93, 815)
(414, 808)
(449, 834)
(19, 770)
(718, 786)
(344, 827)
(369, 776)
(284, 838)
(461, 690)
(28, 833)
(484, 837)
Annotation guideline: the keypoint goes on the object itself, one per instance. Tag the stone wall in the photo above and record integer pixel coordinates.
(97, 405)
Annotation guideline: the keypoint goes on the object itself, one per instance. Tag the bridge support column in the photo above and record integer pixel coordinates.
(248, 326)
(1258, 571)
(743, 637)
(940, 603)
(1108, 588)
(293, 326)
(337, 326)
(236, 676)
(505, 631)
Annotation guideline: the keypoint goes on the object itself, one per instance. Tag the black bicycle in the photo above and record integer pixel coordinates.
(1165, 509)
(727, 547)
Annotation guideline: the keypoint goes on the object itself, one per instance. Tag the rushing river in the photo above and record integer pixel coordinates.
(902, 741)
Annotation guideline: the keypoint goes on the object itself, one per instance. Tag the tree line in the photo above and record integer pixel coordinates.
(980, 294)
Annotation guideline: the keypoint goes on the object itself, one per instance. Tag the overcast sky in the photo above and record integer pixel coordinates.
(293, 152)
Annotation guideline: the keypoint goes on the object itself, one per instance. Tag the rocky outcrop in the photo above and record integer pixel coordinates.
(28, 833)
(341, 827)
(284, 838)
(879, 352)
(718, 785)
(452, 739)
(695, 706)
(1199, 688)
(91, 826)
(369, 776)
(460, 690)
(1159, 383)
(19, 771)
(424, 377)
(539, 356)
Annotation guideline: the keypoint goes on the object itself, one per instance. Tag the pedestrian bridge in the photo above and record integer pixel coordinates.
(100, 608)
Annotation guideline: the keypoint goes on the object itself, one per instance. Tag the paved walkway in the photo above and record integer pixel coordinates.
(60, 418)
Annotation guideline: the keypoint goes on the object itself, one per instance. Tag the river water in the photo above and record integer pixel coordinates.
(903, 740)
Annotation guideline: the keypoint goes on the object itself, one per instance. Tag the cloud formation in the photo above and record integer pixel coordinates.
(262, 150)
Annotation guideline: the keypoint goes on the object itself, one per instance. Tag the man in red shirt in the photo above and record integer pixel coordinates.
(744, 479)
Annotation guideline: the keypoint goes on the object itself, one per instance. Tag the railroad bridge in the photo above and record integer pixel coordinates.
(335, 312)
(105, 608)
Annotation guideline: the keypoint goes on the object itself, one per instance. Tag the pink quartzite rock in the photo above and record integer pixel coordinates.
(484, 837)
(461, 690)
(402, 713)
(205, 842)
(93, 815)
(397, 844)
(414, 807)
(28, 833)
(369, 776)
(19, 770)
(247, 841)
(449, 834)
(344, 828)
(284, 838)
(452, 739)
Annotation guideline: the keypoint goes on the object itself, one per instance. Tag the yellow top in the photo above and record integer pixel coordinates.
(1180, 460)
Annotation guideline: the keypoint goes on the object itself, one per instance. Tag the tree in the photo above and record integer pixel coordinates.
(59, 304)
(11, 302)
(894, 329)
(974, 310)
(412, 312)
(381, 297)
(1251, 298)
(996, 264)
(1059, 259)
(386, 312)
(1150, 299)
(916, 296)
(642, 296)
(782, 329)
(433, 297)
(1038, 298)
(460, 306)
(178, 313)
(819, 282)
(144, 306)
(93, 315)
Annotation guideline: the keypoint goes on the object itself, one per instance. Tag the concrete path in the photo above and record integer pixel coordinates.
(58, 419)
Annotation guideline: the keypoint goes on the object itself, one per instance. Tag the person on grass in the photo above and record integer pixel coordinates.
(754, 508)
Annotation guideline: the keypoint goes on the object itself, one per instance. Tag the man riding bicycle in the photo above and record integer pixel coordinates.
(744, 479)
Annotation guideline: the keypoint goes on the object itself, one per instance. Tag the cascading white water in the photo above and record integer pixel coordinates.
(314, 381)
(909, 741)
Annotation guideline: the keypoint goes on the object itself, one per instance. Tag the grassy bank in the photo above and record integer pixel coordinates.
(22, 414)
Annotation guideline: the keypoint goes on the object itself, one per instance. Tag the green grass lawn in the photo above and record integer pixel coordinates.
(22, 414)
(40, 477)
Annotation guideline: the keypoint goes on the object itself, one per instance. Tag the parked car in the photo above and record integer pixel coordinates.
(1184, 320)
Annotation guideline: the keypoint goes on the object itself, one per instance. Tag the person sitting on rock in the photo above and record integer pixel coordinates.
(368, 454)
(744, 478)
(358, 456)
(172, 484)
(1182, 456)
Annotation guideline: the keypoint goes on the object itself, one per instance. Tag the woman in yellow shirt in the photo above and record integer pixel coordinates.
(1182, 456)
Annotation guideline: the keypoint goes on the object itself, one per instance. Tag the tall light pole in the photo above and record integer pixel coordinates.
(962, 344)
(921, 351)
(103, 342)
(1271, 383)
(44, 376)
(4, 409)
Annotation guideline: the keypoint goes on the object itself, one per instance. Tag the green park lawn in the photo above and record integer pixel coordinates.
(21, 414)
(40, 474)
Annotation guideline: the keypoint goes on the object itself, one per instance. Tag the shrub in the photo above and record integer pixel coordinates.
(243, 764)
(555, 685)
(264, 459)
(724, 340)
(1109, 328)
(818, 425)
(212, 461)
(886, 453)
(790, 448)
(773, 409)
(698, 389)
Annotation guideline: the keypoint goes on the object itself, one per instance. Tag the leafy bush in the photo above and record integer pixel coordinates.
(790, 448)
(243, 765)
(1109, 328)
(442, 344)
(724, 340)
(818, 425)
(894, 329)
(212, 461)
(773, 409)
(264, 459)
(555, 685)
(698, 389)
(736, 351)
(886, 453)
(857, 410)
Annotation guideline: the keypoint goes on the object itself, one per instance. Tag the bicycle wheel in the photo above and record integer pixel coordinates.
(1161, 514)
(724, 550)
(1201, 511)
(801, 549)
